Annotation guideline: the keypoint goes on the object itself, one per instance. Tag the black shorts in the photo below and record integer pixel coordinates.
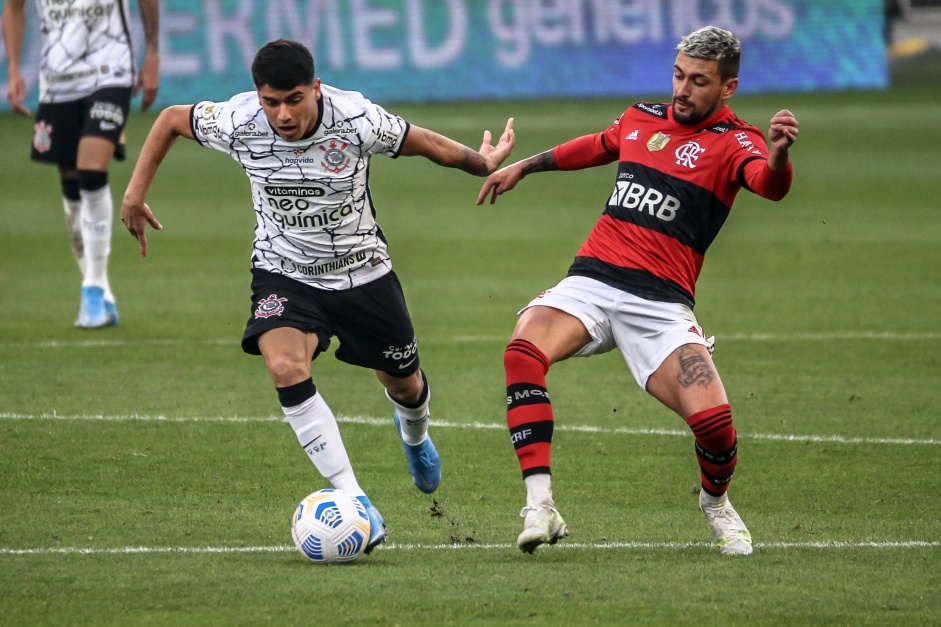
(61, 125)
(370, 321)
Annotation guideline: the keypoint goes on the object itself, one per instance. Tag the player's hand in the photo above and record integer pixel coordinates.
(784, 130)
(496, 155)
(149, 81)
(136, 216)
(16, 93)
(500, 182)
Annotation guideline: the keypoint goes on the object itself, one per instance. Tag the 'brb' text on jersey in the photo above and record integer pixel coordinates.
(86, 46)
(675, 187)
(314, 217)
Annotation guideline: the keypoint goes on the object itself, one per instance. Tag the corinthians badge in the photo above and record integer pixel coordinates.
(657, 142)
(271, 306)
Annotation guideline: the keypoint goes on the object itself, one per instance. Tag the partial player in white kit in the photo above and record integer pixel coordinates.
(320, 264)
(86, 77)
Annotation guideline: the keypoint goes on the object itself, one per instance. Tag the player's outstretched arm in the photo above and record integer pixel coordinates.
(14, 25)
(505, 179)
(149, 79)
(449, 153)
(173, 122)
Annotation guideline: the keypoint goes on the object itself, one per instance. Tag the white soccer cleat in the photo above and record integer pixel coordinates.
(542, 524)
(731, 534)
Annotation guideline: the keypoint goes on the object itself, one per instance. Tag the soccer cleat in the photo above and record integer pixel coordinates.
(377, 526)
(111, 309)
(423, 461)
(731, 534)
(91, 312)
(542, 524)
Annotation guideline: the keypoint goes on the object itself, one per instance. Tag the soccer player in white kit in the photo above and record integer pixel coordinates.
(86, 78)
(320, 264)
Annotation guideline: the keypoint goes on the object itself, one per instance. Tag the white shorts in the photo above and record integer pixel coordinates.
(646, 331)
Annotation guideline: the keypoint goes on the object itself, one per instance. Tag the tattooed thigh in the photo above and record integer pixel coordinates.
(694, 369)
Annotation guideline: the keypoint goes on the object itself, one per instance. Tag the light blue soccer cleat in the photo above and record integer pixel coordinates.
(377, 526)
(423, 461)
(111, 309)
(91, 311)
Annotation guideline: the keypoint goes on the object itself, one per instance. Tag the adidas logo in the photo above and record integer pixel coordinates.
(632, 135)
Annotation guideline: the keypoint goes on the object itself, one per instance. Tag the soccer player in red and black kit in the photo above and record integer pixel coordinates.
(632, 284)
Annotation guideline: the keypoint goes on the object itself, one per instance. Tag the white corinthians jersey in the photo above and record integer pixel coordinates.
(86, 46)
(315, 221)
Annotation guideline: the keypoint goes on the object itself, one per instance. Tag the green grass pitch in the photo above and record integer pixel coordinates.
(145, 478)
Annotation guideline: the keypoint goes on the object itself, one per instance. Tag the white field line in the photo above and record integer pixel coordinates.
(392, 546)
(384, 423)
(476, 339)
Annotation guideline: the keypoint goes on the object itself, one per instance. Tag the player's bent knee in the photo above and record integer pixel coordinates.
(285, 370)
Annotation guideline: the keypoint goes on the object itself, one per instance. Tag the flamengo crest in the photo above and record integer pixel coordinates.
(270, 306)
(688, 153)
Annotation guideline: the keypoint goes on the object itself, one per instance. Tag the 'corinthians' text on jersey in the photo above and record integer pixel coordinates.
(315, 221)
(86, 46)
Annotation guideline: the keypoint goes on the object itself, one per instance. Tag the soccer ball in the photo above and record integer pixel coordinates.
(330, 526)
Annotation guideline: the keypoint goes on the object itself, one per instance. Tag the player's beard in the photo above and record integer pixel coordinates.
(693, 116)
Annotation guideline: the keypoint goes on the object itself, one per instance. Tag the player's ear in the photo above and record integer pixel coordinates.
(315, 86)
(729, 87)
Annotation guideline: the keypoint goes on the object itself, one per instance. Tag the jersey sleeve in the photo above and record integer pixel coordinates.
(589, 151)
(383, 133)
(757, 177)
(211, 125)
(750, 166)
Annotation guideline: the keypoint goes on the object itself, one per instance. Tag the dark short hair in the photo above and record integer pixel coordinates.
(283, 64)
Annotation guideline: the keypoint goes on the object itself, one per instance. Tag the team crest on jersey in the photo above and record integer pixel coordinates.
(271, 306)
(334, 159)
(42, 137)
(658, 141)
(688, 153)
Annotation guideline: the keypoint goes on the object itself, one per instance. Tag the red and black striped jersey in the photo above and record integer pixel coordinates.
(674, 189)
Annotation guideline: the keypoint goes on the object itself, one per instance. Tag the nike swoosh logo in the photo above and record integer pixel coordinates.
(403, 366)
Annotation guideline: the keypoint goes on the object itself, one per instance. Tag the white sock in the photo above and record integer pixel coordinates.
(73, 212)
(413, 422)
(316, 429)
(712, 501)
(97, 214)
(539, 490)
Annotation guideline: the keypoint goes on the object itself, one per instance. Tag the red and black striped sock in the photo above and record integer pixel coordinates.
(528, 410)
(716, 447)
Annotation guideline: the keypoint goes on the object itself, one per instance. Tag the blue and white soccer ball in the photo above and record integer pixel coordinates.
(330, 527)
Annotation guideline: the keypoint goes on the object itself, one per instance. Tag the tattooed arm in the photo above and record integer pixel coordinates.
(506, 179)
(449, 153)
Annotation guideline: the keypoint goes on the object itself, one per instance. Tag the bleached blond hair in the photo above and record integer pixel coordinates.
(714, 44)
